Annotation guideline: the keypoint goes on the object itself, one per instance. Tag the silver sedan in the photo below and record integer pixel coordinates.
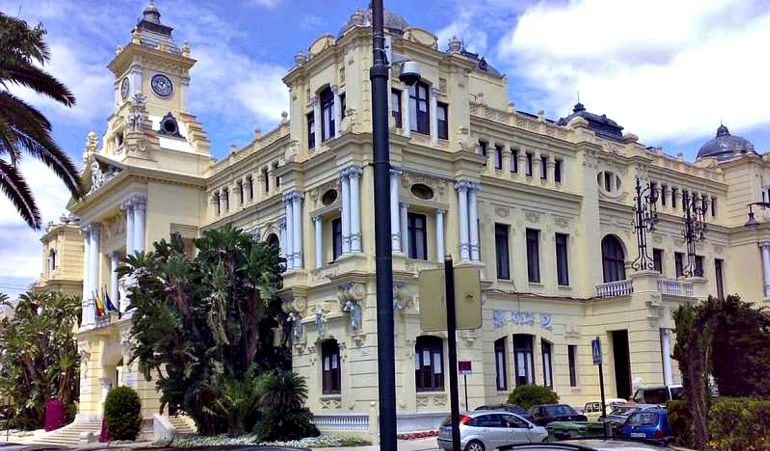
(489, 430)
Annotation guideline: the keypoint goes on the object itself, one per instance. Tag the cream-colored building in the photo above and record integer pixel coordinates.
(543, 208)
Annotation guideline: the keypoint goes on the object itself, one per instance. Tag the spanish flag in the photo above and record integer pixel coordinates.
(108, 305)
(99, 304)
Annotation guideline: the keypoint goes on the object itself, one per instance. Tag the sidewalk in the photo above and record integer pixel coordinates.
(424, 444)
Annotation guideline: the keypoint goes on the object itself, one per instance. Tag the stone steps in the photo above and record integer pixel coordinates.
(68, 436)
(182, 425)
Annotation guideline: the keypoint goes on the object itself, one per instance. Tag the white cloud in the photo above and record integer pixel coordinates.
(665, 70)
(266, 3)
(475, 21)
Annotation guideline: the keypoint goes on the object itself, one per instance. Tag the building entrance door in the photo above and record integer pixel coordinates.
(622, 360)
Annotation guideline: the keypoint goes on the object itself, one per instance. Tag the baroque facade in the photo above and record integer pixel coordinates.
(543, 208)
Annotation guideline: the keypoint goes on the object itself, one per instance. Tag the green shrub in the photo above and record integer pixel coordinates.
(123, 413)
(527, 396)
(739, 423)
(281, 397)
(680, 423)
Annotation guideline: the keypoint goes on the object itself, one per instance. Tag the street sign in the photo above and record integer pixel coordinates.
(433, 299)
(464, 368)
(596, 351)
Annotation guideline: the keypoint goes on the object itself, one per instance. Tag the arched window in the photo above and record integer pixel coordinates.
(272, 240)
(327, 114)
(613, 259)
(52, 260)
(429, 364)
(330, 358)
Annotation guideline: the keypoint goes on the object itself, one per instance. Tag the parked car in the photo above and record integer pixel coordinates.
(648, 424)
(587, 445)
(620, 414)
(512, 408)
(659, 394)
(547, 413)
(488, 430)
(593, 409)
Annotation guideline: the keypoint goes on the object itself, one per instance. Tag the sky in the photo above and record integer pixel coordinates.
(669, 71)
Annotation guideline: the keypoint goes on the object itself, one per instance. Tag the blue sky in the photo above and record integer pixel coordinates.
(667, 71)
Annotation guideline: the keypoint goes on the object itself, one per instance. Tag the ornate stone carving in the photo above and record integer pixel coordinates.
(469, 337)
(561, 222)
(572, 333)
(532, 216)
(297, 329)
(136, 113)
(352, 308)
(320, 322)
(99, 177)
(546, 321)
(502, 212)
(331, 403)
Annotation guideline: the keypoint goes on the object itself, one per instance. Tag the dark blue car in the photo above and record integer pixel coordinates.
(647, 424)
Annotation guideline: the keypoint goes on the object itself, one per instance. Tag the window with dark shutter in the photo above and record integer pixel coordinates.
(395, 107)
(500, 365)
(657, 260)
(419, 113)
(533, 255)
(498, 157)
(514, 160)
(502, 252)
(679, 264)
(331, 371)
(572, 356)
(336, 238)
(613, 259)
(442, 120)
(718, 266)
(429, 364)
(418, 240)
(327, 114)
(557, 168)
(523, 359)
(562, 262)
(545, 347)
(529, 164)
(310, 131)
(544, 167)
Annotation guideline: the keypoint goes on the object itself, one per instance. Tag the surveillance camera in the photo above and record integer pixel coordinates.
(410, 73)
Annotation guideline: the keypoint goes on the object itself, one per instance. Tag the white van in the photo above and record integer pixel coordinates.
(659, 394)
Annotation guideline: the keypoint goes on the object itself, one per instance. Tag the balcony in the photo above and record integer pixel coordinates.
(613, 289)
(675, 287)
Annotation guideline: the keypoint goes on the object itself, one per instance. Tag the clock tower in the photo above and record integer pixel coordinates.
(152, 76)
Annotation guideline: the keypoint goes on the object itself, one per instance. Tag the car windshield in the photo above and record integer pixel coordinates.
(554, 411)
(643, 419)
(677, 392)
(623, 410)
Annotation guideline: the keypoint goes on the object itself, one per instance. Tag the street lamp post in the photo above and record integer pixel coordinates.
(694, 231)
(386, 375)
(645, 219)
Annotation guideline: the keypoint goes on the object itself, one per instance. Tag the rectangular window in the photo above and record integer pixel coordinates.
(524, 360)
(239, 187)
(718, 266)
(336, 238)
(429, 364)
(419, 114)
(679, 263)
(343, 104)
(704, 203)
(226, 198)
(327, 115)
(547, 368)
(501, 252)
(654, 192)
(514, 160)
(657, 260)
(543, 167)
(500, 366)
(442, 120)
(217, 203)
(331, 363)
(557, 171)
(483, 148)
(663, 194)
(250, 183)
(562, 265)
(607, 181)
(698, 266)
(685, 200)
(395, 107)
(572, 356)
(673, 197)
(529, 164)
(498, 157)
(266, 180)
(277, 182)
(713, 206)
(418, 241)
(310, 131)
(533, 255)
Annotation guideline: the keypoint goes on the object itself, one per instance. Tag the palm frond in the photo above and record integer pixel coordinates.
(40, 81)
(16, 189)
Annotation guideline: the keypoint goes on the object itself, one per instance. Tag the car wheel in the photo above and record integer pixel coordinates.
(474, 445)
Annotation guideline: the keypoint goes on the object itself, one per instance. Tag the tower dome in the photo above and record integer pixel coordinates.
(724, 145)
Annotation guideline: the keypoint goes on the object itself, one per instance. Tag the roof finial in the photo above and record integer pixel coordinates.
(578, 96)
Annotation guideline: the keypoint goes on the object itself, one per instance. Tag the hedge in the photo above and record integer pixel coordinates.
(123, 413)
(734, 423)
(527, 396)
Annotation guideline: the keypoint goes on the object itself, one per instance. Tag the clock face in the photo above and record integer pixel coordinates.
(161, 85)
(124, 88)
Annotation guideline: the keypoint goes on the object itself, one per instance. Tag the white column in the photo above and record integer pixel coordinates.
(297, 229)
(354, 178)
(89, 314)
(433, 116)
(319, 236)
(665, 338)
(114, 261)
(405, 119)
(317, 121)
(139, 209)
(337, 111)
(345, 182)
(473, 216)
(765, 246)
(395, 219)
(283, 239)
(462, 217)
(440, 253)
(129, 209)
(86, 269)
(404, 228)
(289, 231)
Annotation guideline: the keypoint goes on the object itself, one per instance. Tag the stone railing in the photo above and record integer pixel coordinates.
(342, 422)
(518, 120)
(675, 287)
(617, 288)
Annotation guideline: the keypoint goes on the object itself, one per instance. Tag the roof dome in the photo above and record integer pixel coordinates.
(724, 145)
(394, 23)
(600, 124)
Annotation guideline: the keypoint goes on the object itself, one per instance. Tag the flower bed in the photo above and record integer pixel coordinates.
(323, 441)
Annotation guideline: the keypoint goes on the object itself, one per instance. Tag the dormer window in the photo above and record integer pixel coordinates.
(419, 114)
(327, 115)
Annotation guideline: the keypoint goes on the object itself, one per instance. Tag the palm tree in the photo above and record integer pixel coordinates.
(23, 129)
